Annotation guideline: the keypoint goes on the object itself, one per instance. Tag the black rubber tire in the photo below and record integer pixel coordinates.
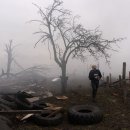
(4, 107)
(8, 103)
(23, 104)
(38, 105)
(43, 120)
(84, 114)
(22, 95)
(8, 97)
(8, 121)
(5, 123)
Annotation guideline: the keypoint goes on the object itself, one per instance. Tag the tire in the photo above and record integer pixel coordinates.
(43, 120)
(40, 104)
(8, 121)
(8, 103)
(8, 98)
(84, 115)
(4, 107)
(23, 95)
(23, 104)
(5, 123)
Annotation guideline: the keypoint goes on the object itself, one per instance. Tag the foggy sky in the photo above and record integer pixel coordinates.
(113, 17)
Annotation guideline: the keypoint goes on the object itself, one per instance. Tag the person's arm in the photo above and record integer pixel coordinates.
(91, 75)
(100, 75)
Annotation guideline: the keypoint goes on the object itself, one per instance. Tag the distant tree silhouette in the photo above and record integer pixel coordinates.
(9, 51)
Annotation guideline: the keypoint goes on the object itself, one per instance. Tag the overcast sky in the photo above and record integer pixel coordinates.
(113, 17)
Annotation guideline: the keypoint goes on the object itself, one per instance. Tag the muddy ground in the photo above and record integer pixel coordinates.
(110, 100)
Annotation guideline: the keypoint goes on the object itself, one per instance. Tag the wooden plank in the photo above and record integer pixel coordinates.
(21, 112)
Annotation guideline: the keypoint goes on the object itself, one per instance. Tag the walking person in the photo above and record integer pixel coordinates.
(94, 76)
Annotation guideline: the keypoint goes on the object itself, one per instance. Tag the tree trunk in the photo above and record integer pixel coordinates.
(9, 64)
(64, 79)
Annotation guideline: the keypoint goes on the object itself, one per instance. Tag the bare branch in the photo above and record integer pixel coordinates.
(38, 41)
(41, 11)
(68, 38)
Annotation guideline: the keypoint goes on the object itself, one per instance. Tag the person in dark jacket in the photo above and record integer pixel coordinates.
(94, 76)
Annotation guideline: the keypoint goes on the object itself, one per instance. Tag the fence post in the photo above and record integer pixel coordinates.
(129, 77)
(120, 82)
(124, 71)
(110, 77)
(124, 82)
(107, 81)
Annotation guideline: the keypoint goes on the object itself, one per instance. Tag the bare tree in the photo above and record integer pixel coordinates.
(9, 51)
(9, 48)
(61, 31)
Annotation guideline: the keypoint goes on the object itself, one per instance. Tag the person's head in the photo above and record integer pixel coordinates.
(93, 67)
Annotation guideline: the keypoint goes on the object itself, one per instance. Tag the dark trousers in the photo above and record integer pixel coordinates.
(95, 84)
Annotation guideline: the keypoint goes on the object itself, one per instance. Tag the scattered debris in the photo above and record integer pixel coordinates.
(30, 92)
(55, 79)
(47, 94)
(115, 94)
(52, 107)
(111, 100)
(27, 116)
(61, 97)
(33, 99)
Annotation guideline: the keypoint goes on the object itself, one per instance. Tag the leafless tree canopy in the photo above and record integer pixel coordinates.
(67, 37)
(61, 30)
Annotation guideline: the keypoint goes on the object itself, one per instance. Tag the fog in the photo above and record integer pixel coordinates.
(112, 17)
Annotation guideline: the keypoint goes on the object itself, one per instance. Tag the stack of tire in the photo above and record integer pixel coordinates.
(18, 101)
(77, 115)
(44, 120)
(5, 122)
(12, 102)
